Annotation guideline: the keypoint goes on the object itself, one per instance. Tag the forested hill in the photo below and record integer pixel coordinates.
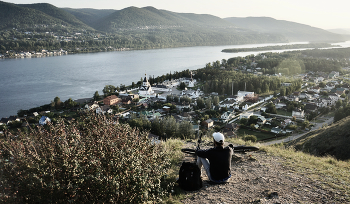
(36, 16)
(132, 17)
(56, 13)
(24, 27)
(292, 31)
(89, 16)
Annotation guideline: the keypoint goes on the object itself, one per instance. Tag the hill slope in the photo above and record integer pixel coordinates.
(89, 16)
(292, 31)
(333, 140)
(30, 16)
(56, 13)
(133, 17)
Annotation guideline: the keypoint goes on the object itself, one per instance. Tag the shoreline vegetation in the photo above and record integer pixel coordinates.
(281, 47)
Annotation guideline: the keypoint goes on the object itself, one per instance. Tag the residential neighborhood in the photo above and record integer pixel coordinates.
(270, 114)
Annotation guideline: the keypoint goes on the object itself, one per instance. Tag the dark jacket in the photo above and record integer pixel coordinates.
(220, 161)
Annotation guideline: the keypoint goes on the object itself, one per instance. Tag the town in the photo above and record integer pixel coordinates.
(177, 107)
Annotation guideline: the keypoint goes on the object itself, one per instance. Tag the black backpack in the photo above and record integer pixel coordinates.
(190, 176)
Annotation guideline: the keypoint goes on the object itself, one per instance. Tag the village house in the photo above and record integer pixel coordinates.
(298, 113)
(183, 105)
(91, 106)
(245, 115)
(208, 123)
(228, 115)
(104, 109)
(333, 75)
(314, 89)
(227, 103)
(261, 120)
(310, 107)
(276, 130)
(339, 91)
(111, 100)
(236, 98)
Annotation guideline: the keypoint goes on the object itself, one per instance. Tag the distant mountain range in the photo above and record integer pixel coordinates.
(292, 31)
(161, 26)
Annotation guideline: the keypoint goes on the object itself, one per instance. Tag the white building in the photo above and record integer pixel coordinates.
(146, 89)
(245, 94)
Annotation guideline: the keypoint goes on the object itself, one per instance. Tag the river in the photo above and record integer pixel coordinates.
(32, 82)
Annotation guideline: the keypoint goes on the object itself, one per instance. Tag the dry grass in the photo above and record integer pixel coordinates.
(332, 172)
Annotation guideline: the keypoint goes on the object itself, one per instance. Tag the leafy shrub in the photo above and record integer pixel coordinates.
(252, 138)
(87, 162)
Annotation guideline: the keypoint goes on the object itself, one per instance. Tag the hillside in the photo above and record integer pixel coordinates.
(13, 16)
(36, 16)
(139, 28)
(292, 31)
(133, 17)
(89, 16)
(333, 140)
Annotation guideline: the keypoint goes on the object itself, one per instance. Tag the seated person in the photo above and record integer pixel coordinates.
(217, 160)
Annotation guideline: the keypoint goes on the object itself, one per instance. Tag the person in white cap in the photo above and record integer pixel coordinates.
(217, 160)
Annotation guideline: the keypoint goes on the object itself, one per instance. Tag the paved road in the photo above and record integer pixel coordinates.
(293, 137)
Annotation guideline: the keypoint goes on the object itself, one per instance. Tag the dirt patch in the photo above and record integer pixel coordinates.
(261, 178)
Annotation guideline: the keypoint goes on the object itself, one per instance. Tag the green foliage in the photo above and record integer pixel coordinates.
(279, 47)
(342, 113)
(108, 90)
(94, 161)
(271, 108)
(182, 86)
(96, 96)
(251, 138)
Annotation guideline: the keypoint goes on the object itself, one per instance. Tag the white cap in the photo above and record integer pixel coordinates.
(218, 137)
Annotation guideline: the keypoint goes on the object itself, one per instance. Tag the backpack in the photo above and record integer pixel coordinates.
(190, 176)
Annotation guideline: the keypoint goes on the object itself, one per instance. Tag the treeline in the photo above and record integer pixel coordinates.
(279, 47)
(90, 42)
(226, 81)
(307, 60)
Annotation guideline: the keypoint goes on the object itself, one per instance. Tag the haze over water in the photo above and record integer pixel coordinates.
(31, 82)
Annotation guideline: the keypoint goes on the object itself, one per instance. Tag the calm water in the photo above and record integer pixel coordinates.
(30, 82)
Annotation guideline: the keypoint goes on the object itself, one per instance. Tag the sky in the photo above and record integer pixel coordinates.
(325, 14)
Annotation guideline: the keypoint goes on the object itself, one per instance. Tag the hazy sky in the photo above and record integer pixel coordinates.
(326, 14)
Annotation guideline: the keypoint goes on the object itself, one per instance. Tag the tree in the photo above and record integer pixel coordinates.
(243, 121)
(208, 103)
(69, 103)
(185, 130)
(200, 103)
(271, 108)
(338, 103)
(305, 124)
(216, 100)
(182, 85)
(57, 102)
(96, 96)
(108, 90)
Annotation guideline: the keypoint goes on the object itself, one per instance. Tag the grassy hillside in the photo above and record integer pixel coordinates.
(293, 31)
(333, 140)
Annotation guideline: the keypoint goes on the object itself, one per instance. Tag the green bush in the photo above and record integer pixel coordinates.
(252, 138)
(92, 161)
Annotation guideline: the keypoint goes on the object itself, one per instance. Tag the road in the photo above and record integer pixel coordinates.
(293, 137)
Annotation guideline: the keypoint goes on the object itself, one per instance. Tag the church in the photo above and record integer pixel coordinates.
(146, 89)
